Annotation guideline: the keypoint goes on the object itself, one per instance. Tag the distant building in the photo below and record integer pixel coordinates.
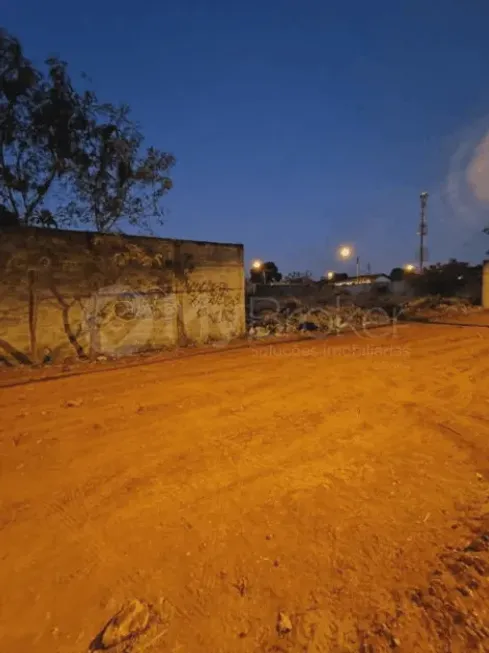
(372, 282)
(364, 282)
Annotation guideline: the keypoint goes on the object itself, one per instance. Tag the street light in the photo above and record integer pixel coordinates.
(258, 266)
(330, 276)
(409, 267)
(345, 252)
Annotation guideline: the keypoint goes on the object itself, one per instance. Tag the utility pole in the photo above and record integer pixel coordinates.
(423, 229)
(358, 269)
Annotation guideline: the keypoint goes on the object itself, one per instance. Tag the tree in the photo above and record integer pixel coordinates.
(397, 274)
(266, 274)
(115, 182)
(298, 277)
(43, 123)
(58, 142)
(446, 279)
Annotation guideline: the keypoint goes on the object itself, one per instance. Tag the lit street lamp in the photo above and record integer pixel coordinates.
(259, 266)
(330, 276)
(409, 267)
(345, 252)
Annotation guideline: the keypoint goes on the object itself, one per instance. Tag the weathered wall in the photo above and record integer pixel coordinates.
(485, 285)
(66, 294)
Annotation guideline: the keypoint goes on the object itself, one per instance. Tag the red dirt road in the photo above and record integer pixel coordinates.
(338, 485)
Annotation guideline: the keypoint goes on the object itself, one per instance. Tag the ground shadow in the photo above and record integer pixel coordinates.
(427, 320)
(19, 356)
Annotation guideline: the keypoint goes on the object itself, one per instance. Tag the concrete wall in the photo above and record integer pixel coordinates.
(66, 294)
(485, 285)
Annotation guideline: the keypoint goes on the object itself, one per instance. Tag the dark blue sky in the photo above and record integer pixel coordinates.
(297, 125)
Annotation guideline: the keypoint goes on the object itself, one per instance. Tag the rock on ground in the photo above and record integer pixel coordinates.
(130, 621)
(284, 624)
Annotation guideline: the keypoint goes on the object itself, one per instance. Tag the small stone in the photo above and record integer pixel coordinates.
(262, 332)
(479, 477)
(102, 359)
(242, 586)
(396, 642)
(464, 591)
(73, 403)
(269, 537)
(481, 543)
(284, 624)
(131, 620)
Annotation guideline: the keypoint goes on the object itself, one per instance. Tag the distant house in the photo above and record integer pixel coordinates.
(372, 282)
(364, 282)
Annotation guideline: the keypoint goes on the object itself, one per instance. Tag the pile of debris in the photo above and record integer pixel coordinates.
(324, 320)
(437, 306)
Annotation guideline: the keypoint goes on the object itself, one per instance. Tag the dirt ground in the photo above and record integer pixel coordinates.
(342, 482)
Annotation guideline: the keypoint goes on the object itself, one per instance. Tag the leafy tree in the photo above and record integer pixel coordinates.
(43, 123)
(446, 279)
(293, 276)
(266, 274)
(115, 181)
(397, 274)
(57, 142)
(298, 277)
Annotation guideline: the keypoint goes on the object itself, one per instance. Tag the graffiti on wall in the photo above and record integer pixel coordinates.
(109, 305)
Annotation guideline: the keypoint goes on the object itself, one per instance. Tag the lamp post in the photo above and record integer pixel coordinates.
(258, 266)
(345, 252)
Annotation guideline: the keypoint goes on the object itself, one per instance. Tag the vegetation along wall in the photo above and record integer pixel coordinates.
(70, 294)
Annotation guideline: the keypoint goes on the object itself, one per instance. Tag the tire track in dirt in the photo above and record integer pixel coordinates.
(320, 451)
